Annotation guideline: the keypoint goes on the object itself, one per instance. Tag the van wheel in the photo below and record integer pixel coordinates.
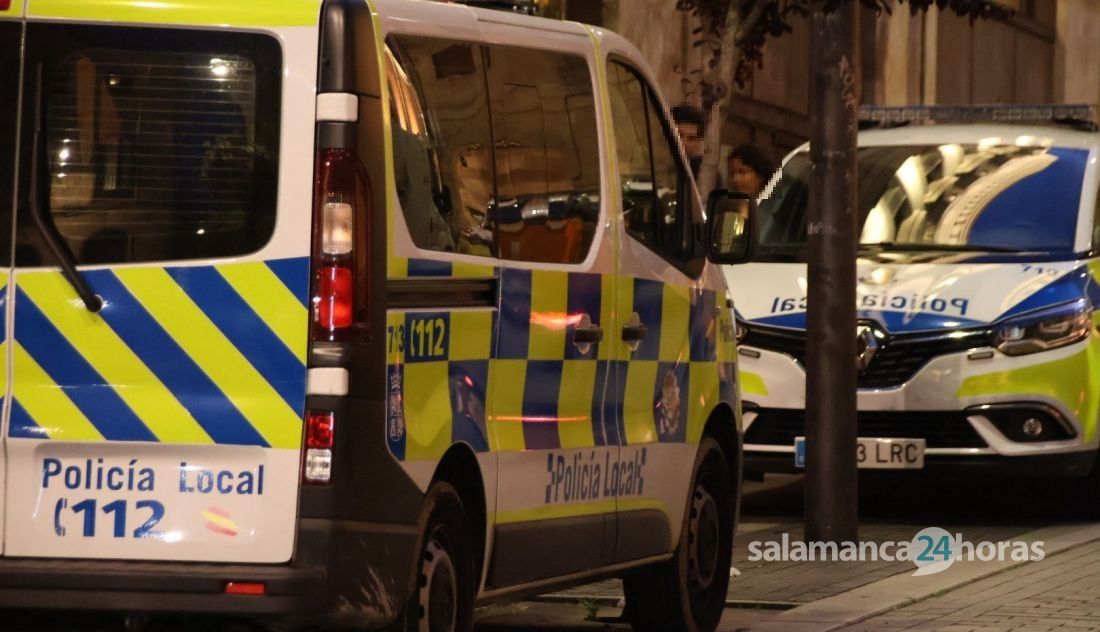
(443, 597)
(688, 592)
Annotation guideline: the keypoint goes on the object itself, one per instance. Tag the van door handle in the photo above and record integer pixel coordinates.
(590, 334)
(635, 333)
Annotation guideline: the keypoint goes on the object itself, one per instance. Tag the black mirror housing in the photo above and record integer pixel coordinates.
(731, 234)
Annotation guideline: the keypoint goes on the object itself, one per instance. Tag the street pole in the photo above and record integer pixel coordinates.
(831, 501)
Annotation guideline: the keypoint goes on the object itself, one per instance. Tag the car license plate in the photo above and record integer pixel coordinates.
(880, 454)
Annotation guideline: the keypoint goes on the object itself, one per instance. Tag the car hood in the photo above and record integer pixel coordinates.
(908, 297)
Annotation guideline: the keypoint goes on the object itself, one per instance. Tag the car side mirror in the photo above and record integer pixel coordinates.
(730, 223)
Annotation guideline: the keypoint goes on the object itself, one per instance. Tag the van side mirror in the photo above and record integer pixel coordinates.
(730, 223)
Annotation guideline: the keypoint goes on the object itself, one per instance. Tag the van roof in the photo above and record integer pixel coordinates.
(444, 12)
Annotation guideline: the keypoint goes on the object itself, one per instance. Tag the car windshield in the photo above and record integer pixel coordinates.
(985, 197)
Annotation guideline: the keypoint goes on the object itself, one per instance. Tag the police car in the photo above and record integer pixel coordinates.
(977, 295)
(359, 312)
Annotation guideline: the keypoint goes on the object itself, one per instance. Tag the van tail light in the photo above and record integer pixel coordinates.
(320, 430)
(341, 244)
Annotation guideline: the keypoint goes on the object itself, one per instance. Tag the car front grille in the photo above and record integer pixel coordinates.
(898, 358)
(948, 429)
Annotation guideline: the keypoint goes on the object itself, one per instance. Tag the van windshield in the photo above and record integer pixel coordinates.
(987, 197)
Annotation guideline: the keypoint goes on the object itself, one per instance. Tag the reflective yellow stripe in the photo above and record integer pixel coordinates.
(47, 403)
(1071, 380)
(471, 335)
(464, 270)
(150, 400)
(427, 410)
(207, 12)
(548, 512)
(273, 302)
(752, 384)
(506, 383)
(218, 358)
(578, 382)
(549, 303)
(641, 378)
(675, 323)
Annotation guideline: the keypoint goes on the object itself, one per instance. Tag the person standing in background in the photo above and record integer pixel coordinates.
(749, 169)
(689, 124)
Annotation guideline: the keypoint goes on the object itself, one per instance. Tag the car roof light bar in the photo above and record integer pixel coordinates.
(1081, 116)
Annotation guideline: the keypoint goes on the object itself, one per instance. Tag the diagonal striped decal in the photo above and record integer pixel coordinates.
(294, 273)
(22, 426)
(194, 389)
(186, 323)
(43, 400)
(246, 331)
(273, 302)
(85, 386)
(102, 348)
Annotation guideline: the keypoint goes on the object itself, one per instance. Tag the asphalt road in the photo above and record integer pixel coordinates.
(908, 500)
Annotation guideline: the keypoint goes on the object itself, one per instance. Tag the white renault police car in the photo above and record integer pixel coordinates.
(363, 311)
(977, 296)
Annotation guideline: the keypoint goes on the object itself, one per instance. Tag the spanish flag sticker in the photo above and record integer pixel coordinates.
(218, 521)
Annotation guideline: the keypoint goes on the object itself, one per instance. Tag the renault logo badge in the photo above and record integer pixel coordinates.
(866, 346)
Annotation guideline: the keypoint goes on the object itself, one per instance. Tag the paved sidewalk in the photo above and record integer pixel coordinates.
(1059, 593)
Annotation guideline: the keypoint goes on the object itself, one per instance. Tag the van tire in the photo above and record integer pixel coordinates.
(688, 592)
(442, 597)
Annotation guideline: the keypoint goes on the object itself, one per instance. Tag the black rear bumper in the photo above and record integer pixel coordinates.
(342, 572)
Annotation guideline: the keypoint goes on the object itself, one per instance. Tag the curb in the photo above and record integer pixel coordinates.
(901, 590)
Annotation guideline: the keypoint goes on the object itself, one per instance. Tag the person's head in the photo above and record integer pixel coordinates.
(750, 168)
(689, 123)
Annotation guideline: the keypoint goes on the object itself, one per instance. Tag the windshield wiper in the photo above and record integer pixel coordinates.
(45, 225)
(898, 246)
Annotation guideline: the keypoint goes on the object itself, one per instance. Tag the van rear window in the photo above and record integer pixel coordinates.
(161, 145)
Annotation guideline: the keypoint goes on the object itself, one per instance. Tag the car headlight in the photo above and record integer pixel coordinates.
(1044, 329)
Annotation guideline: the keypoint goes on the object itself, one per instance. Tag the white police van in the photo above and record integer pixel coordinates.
(977, 295)
(358, 311)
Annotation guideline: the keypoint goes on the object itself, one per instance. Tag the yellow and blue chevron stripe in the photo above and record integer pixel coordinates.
(198, 355)
(513, 380)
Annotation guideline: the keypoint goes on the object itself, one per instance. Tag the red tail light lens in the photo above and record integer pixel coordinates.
(341, 243)
(319, 430)
(335, 299)
(317, 457)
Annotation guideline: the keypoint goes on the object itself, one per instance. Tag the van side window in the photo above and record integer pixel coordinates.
(657, 201)
(443, 160)
(546, 146)
(159, 147)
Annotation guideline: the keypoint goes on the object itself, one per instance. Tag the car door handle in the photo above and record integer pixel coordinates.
(587, 335)
(634, 333)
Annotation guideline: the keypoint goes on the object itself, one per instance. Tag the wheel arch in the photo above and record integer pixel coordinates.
(722, 427)
(459, 467)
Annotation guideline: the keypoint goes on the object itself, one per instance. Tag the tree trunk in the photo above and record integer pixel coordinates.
(722, 76)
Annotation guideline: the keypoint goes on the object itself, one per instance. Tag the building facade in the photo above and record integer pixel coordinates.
(1047, 53)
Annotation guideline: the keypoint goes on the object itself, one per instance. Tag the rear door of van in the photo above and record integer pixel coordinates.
(157, 302)
(10, 30)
